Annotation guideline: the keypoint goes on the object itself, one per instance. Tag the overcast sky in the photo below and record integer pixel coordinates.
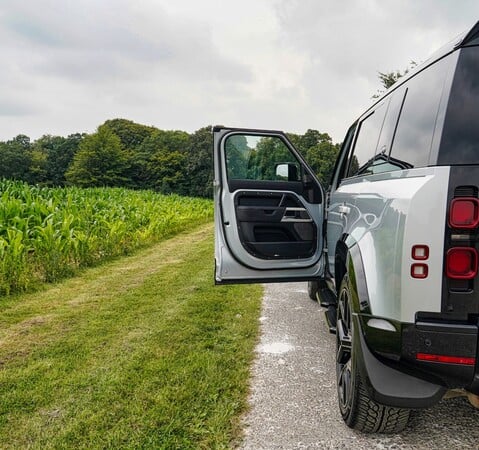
(69, 65)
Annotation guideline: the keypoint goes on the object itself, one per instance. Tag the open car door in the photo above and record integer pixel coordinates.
(269, 209)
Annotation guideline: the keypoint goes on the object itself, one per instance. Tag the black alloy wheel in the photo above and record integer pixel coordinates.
(344, 369)
(357, 408)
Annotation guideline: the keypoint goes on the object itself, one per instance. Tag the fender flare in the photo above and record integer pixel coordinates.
(348, 260)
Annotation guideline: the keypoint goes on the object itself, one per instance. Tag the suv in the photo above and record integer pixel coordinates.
(390, 248)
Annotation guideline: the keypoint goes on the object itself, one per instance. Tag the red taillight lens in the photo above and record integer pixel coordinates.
(465, 360)
(461, 263)
(464, 213)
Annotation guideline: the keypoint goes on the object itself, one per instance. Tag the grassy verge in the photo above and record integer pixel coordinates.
(143, 352)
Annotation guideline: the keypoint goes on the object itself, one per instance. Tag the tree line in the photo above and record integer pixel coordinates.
(123, 153)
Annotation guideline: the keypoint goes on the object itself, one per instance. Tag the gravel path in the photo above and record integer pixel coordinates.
(293, 398)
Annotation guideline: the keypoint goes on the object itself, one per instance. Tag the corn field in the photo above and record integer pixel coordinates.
(48, 233)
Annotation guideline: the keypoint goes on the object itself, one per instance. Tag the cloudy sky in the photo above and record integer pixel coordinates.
(69, 65)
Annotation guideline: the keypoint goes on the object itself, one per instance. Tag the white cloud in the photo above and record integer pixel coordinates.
(347, 46)
(282, 64)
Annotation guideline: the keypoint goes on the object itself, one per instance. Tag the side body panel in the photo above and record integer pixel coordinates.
(390, 213)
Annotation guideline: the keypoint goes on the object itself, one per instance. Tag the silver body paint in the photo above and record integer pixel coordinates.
(385, 215)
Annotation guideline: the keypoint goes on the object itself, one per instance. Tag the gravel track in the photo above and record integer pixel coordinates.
(293, 395)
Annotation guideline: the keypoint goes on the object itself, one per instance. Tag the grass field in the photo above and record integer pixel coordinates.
(48, 234)
(140, 352)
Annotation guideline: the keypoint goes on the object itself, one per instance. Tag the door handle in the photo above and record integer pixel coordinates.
(296, 215)
(343, 209)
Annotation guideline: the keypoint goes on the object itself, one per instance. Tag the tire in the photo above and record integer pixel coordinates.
(357, 409)
(313, 288)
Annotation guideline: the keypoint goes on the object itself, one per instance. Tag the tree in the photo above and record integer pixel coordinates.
(237, 155)
(389, 78)
(322, 158)
(58, 153)
(15, 157)
(131, 134)
(199, 164)
(100, 160)
(319, 151)
(269, 151)
(37, 171)
(167, 169)
(159, 162)
(151, 161)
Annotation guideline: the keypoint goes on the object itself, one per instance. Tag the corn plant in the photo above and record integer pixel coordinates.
(48, 233)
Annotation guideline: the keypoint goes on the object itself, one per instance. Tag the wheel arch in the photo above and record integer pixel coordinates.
(348, 260)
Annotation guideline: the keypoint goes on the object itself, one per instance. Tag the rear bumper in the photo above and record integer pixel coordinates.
(441, 341)
(402, 367)
(389, 385)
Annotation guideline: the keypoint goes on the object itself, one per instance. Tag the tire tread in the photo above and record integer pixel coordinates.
(372, 417)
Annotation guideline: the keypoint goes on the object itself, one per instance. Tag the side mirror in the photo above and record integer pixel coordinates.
(287, 172)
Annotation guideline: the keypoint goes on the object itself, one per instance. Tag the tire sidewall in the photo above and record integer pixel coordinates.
(348, 410)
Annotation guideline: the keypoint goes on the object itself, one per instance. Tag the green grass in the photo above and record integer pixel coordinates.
(142, 352)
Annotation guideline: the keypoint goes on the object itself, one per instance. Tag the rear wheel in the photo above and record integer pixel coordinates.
(358, 410)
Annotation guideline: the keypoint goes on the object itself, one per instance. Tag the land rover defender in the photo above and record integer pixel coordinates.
(390, 248)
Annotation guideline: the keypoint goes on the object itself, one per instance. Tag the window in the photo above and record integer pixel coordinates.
(381, 161)
(390, 121)
(415, 129)
(260, 158)
(367, 141)
(341, 165)
(460, 138)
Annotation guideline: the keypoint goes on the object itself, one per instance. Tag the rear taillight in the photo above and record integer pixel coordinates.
(464, 213)
(461, 263)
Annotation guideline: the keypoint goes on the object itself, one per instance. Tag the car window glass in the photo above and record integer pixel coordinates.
(342, 161)
(460, 135)
(366, 142)
(261, 158)
(415, 129)
(390, 121)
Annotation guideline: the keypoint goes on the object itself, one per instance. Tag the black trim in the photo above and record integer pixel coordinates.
(460, 132)
(471, 35)
(266, 280)
(361, 287)
(398, 349)
(389, 386)
(440, 338)
(292, 186)
(460, 298)
(218, 128)
(384, 343)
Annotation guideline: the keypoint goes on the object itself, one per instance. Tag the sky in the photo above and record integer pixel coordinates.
(69, 65)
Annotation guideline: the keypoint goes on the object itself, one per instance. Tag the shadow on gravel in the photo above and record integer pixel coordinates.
(453, 421)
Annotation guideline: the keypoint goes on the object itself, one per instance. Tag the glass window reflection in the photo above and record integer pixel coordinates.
(253, 157)
(415, 129)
